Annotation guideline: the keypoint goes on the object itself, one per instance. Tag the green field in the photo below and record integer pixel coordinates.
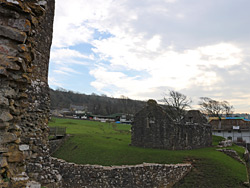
(108, 144)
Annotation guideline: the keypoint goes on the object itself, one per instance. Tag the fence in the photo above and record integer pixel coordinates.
(57, 131)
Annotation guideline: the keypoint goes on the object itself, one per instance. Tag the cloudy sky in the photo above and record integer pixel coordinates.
(143, 48)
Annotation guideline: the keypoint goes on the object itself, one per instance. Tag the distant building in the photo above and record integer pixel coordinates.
(236, 129)
(77, 108)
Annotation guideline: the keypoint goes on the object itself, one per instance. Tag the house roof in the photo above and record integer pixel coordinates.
(229, 118)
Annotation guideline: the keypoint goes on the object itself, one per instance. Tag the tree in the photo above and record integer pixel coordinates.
(227, 108)
(176, 104)
(215, 108)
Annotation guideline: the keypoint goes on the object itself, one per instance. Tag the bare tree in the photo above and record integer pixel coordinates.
(215, 108)
(176, 104)
(227, 108)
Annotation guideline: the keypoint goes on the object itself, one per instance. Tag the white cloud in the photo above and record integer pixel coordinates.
(66, 53)
(173, 69)
(54, 82)
(72, 19)
(196, 47)
(66, 71)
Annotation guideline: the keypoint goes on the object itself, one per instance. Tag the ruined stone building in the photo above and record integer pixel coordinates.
(153, 128)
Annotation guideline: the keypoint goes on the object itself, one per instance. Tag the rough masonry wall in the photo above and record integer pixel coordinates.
(145, 175)
(25, 40)
(152, 128)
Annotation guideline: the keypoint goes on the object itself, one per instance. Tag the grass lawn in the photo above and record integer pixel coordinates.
(108, 144)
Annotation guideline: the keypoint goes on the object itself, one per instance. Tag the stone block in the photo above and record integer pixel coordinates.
(33, 184)
(24, 147)
(3, 149)
(15, 156)
(22, 48)
(3, 71)
(3, 101)
(7, 50)
(8, 13)
(3, 125)
(13, 34)
(8, 137)
(36, 8)
(21, 24)
(5, 116)
(3, 162)
(8, 92)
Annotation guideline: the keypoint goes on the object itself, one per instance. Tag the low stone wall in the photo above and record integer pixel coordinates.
(232, 153)
(143, 175)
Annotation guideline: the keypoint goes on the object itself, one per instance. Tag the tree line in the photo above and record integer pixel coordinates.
(175, 104)
(96, 104)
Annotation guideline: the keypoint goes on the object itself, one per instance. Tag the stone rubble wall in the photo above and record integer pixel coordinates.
(152, 128)
(232, 153)
(173, 137)
(145, 175)
(25, 40)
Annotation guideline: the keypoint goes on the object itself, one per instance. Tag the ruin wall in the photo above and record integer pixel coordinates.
(25, 40)
(145, 175)
(153, 128)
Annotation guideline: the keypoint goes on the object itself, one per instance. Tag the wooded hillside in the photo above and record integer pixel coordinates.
(95, 104)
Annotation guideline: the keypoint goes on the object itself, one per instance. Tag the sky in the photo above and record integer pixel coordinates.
(141, 49)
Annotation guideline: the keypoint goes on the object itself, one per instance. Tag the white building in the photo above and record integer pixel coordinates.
(236, 129)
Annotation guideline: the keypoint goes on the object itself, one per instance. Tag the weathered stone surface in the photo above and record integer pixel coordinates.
(3, 149)
(5, 116)
(21, 24)
(33, 184)
(194, 116)
(22, 48)
(3, 101)
(9, 62)
(8, 92)
(24, 147)
(15, 156)
(7, 50)
(3, 162)
(8, 13)
(12, 33)
(3, 125)
(8, 137)
(144, 175)
(3, 71)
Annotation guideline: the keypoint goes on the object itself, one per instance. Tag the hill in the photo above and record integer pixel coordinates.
(94, 103)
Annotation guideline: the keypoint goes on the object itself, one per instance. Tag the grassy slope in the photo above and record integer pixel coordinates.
(108, 144)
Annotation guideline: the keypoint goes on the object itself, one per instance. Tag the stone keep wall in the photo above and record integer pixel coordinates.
(25, 40)
(153, 128)
(145, 175)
